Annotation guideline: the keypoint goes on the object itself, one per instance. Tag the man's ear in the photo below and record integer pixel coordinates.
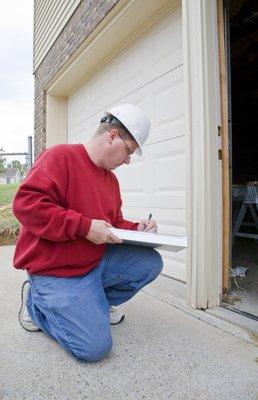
(112, 133)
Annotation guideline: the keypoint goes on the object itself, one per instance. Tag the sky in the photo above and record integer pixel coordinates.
(16, 79)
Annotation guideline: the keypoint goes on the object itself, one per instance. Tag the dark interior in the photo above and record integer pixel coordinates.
(243, 93)
(244, 89)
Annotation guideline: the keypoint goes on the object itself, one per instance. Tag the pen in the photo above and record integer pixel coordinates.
(150, 216)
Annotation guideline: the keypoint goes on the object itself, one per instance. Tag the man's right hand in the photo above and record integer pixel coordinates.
(99, 233)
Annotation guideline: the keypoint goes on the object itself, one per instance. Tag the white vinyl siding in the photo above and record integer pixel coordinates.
(50, 17)
(149, 73)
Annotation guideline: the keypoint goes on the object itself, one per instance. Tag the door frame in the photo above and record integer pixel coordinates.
(225, 145)
(204, 197)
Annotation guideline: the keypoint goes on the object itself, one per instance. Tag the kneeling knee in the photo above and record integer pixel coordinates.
(95, 352)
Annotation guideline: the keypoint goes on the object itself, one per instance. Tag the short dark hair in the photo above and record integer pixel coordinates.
(114, 124)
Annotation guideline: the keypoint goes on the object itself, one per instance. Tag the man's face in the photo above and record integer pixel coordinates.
(119, 150)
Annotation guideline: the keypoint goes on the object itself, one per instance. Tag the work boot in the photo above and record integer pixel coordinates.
(115, 315)
(24, 317)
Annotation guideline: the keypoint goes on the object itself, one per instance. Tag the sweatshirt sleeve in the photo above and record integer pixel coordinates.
(37, 206)
(121, 223)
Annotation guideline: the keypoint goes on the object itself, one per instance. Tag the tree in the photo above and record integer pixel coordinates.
(24, 170)
(2, 161)
(17, 164)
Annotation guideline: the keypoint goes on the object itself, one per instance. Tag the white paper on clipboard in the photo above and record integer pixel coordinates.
(150, 239)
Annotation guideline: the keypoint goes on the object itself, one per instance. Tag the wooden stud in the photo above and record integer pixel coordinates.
(226, 206)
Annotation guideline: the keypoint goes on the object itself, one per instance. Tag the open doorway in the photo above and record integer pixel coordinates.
(243, 98)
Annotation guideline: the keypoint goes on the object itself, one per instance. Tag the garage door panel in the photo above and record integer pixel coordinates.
(133, 178)
(84, 103)
(169, 221)
(179, 257)
(162, 173)
(142, 62)
(85, 129)
(162, 100)
(168, 106)
(173, 266)
(76, 106)
(163, 55)
(98, 89)
(164, 200)
(169, 173)
(129, 67)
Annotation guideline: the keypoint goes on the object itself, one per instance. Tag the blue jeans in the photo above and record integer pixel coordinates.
(75, 311)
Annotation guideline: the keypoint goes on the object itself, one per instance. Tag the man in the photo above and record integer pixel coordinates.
(78, 270)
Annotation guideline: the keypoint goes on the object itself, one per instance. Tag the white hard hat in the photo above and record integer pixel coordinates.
(134, 120)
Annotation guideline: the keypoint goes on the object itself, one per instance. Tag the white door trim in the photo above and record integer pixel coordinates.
(204, 225)
(56, 120)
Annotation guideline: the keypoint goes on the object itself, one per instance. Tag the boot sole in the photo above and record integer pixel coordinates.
(116, 323)
(23, 304)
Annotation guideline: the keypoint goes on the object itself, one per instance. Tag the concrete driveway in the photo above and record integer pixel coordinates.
(160, 352)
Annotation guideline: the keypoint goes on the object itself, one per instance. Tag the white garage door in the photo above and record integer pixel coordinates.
(149, 73)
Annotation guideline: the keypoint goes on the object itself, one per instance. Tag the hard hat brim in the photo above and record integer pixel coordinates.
(138, 151)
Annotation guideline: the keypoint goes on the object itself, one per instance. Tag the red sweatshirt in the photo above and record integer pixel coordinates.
(55, 204)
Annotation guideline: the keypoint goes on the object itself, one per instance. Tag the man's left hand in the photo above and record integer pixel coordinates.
(146, 225)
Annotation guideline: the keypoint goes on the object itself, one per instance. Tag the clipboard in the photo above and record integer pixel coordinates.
(154, 240)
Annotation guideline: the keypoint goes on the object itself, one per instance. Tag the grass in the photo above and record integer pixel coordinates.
(9, 225)
(7, 193)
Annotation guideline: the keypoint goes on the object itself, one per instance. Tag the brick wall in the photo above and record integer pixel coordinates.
(84, 20)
